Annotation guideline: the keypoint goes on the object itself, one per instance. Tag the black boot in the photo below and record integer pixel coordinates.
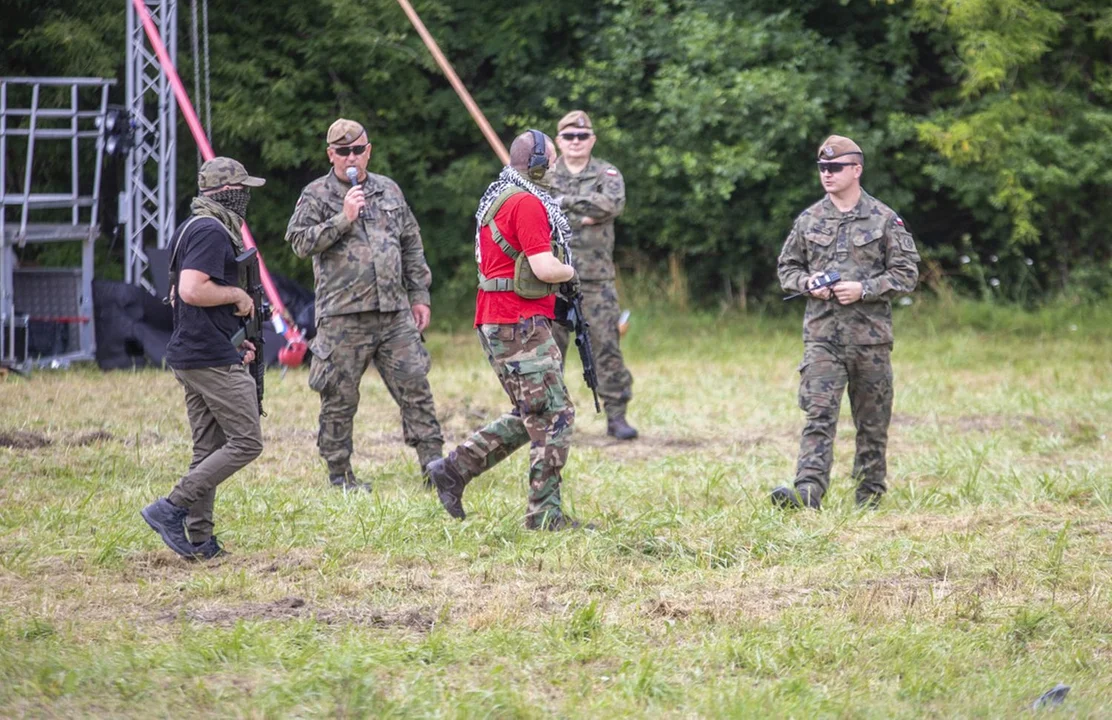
(805, 495)
(168, 520)
(429, 484)
(347, 481)
(449, 486)
(209, 549)
(618, 427)
(867, 500)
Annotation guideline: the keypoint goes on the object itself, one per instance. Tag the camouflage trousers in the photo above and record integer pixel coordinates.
(527, 362)
(343, 349)
(825, 372)
(600, 306)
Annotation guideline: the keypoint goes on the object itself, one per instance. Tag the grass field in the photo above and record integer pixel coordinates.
(982, 582)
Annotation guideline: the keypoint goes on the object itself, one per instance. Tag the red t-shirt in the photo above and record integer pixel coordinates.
(523, 222)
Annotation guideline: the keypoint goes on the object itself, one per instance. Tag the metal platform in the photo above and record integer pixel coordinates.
(45, 122)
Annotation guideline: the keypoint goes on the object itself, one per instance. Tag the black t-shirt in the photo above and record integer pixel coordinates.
(202, 335)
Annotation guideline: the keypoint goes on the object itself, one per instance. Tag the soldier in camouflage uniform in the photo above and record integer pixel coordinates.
(372, 300)
(847, 329)
(591, 192)
(517, 219)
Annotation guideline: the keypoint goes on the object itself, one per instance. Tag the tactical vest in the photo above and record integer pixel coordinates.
(524, 282)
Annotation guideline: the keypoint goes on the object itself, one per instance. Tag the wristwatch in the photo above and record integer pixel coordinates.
(865, 294)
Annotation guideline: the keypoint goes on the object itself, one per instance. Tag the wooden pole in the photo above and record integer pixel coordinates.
(446, 68)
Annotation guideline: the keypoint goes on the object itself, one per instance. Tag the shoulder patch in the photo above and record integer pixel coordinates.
(899, 221)
(612, 171)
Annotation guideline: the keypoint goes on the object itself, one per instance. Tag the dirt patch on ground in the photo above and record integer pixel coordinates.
(417, 619)
(91, 437)
(23, 440)
(30, 440)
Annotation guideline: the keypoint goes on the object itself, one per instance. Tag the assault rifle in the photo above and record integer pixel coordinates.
(825, 280)
(569, 312)
(252, 329)
(579, 325)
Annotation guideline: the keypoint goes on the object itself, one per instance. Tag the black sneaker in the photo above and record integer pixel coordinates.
(620, 429)
(449, 487)
(347, 481)
(802, 496)
(209, 549)
(168, 520)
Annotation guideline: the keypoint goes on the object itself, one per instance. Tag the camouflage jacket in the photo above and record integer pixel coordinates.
(373, 264)
(597, 192)
(868, 244)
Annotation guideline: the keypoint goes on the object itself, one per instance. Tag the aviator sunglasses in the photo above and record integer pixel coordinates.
(582, 137)
(833, 167)
(350, 149)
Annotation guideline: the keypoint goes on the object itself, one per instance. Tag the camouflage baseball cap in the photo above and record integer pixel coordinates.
(836, 146)
(344, 132)
(221, 171)
(576, 118)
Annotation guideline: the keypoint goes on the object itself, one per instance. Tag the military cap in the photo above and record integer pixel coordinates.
(576, 118)
(836, 146)
(221, 171)
(344, 132)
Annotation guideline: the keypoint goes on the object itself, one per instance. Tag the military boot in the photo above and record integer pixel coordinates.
(347, 481)
(209, 549)
(868, 500)
(168, 520)
(804, 495)
(618, 427)
(449, 485)
(429, 484)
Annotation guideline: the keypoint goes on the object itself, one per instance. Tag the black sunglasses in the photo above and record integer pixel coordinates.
(350, 149)
(833, 168)
(583, 137)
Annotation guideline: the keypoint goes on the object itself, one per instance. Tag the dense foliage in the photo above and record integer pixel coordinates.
(987, 123)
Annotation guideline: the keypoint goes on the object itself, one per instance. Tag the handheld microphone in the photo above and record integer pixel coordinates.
(353, 178)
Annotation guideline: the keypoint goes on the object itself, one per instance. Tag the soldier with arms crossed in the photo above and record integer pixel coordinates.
(372, 300)
(847, 328)
(591, 193)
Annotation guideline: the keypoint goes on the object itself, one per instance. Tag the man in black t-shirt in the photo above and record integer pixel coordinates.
(220, 398)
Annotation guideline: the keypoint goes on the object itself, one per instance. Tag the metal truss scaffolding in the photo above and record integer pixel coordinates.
(147, 203)
(47, 126)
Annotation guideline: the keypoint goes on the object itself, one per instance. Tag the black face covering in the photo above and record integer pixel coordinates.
(235, 199)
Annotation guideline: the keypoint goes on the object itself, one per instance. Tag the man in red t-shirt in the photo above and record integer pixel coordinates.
(514, 311)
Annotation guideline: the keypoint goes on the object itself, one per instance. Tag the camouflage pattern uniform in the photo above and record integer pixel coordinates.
(368, 274)
(597, 192)
(848, 344)
(527, 362)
